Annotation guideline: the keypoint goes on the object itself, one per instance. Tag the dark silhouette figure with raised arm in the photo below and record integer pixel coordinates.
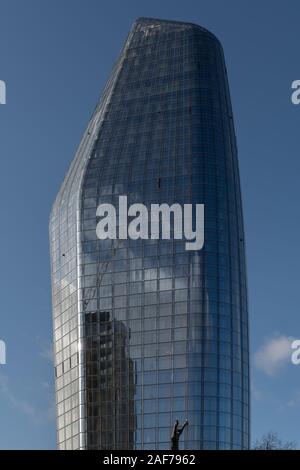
(177, 431)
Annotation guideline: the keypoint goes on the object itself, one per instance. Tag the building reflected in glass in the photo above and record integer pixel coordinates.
(146, 332)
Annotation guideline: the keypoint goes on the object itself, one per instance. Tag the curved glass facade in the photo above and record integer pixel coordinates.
(146, 332)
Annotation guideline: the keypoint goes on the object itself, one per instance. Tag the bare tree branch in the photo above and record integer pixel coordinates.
(271, 441)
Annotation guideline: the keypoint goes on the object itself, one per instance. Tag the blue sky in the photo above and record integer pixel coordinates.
(55, 57)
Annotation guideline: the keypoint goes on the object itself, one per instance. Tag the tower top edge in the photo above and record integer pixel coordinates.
(147, 21)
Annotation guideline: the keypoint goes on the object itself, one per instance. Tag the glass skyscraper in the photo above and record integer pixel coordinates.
(146, 332)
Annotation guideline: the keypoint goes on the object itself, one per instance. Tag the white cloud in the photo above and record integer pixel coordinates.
(274, 354)
(37, 415)
(47, 353)
(256, 393)
(294, 400)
